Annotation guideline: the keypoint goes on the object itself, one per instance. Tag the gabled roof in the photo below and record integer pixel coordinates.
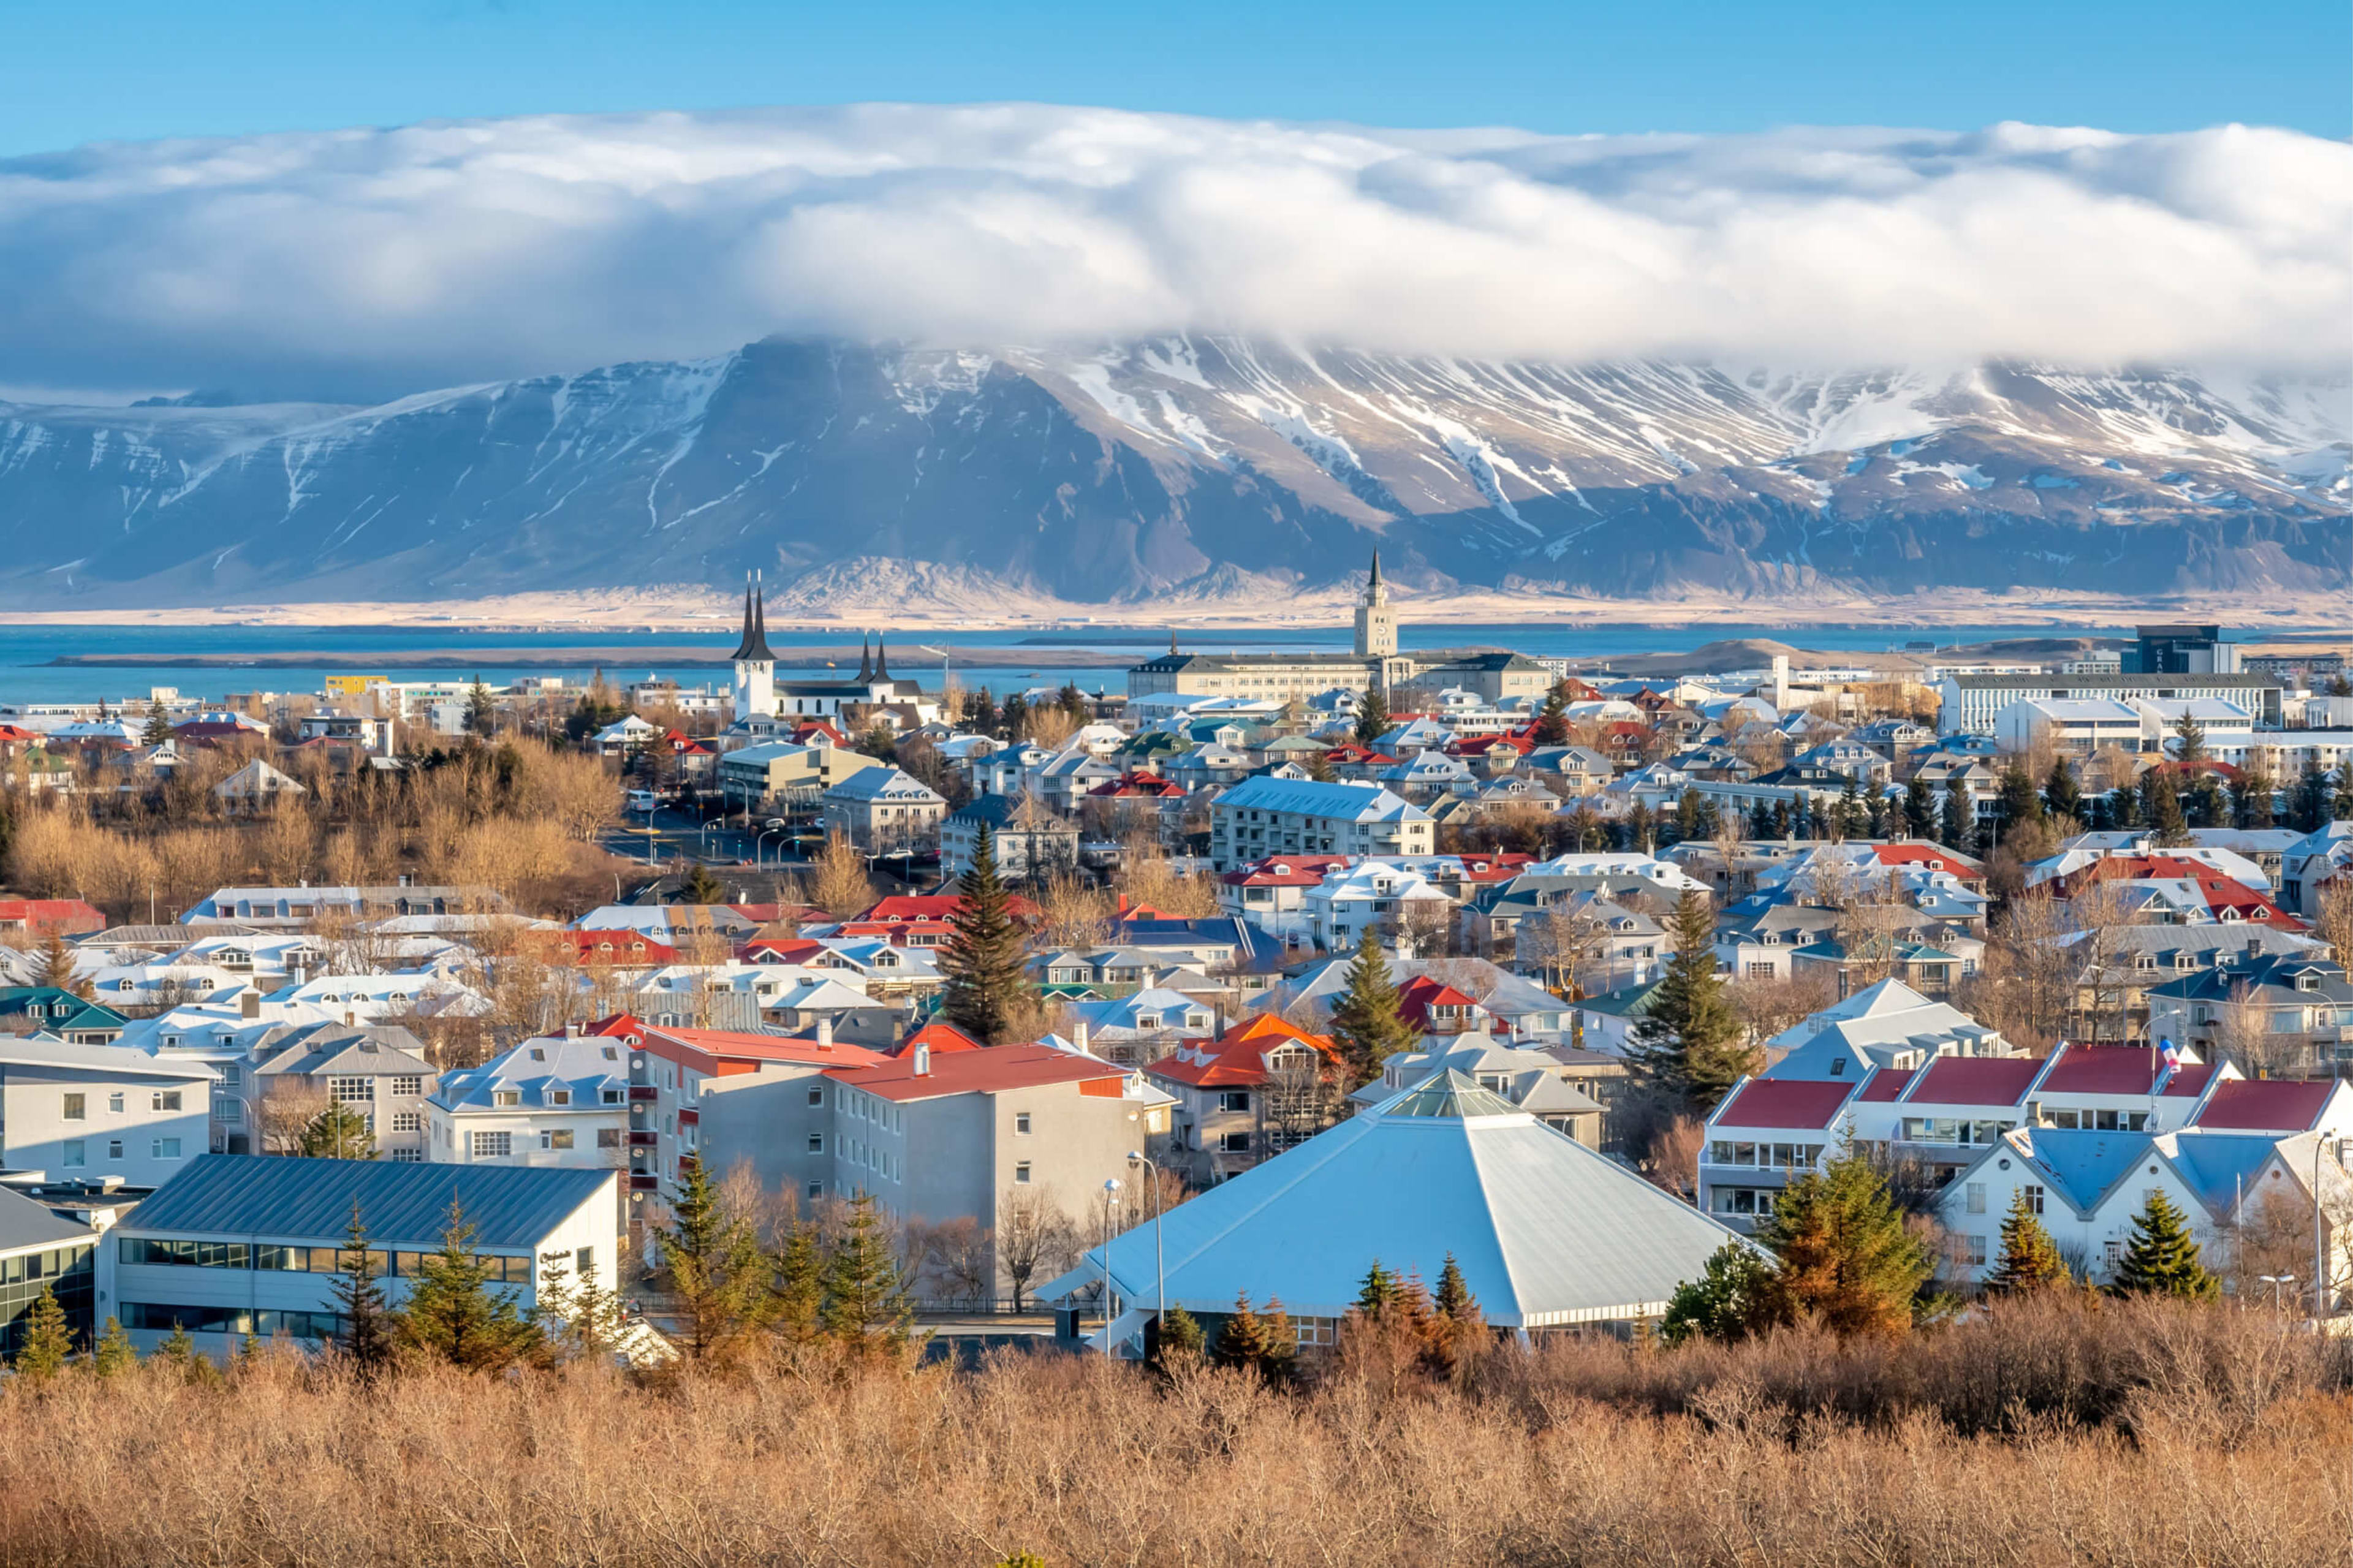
(1974, 1080)
(2267, 1105)
(402, 1206)
(1238, 1058)
(992, 1071)
(1812, 1104)
(2103, 1069)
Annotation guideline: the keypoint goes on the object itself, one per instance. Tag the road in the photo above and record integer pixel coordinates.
(669, 835)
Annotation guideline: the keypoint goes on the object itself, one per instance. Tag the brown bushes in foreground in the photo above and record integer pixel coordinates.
(2227, 1447)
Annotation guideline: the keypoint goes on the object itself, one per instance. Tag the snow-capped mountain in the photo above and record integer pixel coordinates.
(1197, 466)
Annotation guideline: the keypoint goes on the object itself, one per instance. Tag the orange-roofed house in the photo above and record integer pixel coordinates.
(1262, 1087)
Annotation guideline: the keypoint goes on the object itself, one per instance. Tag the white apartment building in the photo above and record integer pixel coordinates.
(81, 1111)
(1267, 816)
(1972, 704)
(1371, 896)
(561, 1100)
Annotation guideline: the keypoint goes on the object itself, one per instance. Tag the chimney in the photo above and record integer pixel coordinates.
(923, 1059)
(248, 1003)
(571, 1031)
(1078, 1034)
(825, 1033)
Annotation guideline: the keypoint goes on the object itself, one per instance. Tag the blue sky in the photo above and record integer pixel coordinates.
(73, 72)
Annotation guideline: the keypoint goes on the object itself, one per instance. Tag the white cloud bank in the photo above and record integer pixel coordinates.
(460, 251)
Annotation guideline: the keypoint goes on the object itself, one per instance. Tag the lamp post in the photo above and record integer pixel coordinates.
(2275, 1281)
(1110, 1202)
(1159, 1252)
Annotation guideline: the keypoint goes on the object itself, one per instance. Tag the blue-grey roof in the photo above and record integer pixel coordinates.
(2084, 1164)
(25, 1224)
(402, 1206)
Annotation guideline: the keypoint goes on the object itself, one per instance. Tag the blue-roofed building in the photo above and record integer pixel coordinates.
(1268, 815)
(247, 1244)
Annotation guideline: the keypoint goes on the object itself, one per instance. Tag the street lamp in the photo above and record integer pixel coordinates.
(2275, 1281)
(1159, 1252)
(1110, 1202)
(760, 848)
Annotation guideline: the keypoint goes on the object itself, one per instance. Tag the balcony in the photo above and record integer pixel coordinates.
(642, 1140)
(689, 1118)
(644, 1182)
(643, 1091)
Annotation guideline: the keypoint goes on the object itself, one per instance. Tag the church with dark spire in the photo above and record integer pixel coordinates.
(761, 700)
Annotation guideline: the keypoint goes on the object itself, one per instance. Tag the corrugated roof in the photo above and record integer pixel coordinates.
(402, 1206)
(2266, 1105)
(986, 1071)
(1975, 1080)
(1785, 1103)
(26, 1224)
(2084, 1164)
(2103, 1069)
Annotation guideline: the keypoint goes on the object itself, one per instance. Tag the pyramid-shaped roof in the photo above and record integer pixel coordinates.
(1545, 1230)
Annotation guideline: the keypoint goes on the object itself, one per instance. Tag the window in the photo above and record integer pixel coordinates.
(556, 1137)
(506, 1096)
(2115, 1252)
(817, 1144)
(2033, 1195)
(167, 1100)
(1976, 1197)
(351, 1090)
(411, 1086)
(1235, 1143)
(559, 1096)
(608, 1137)
(407, 1122)
(1234, 1100)
(114, 1148)
(1760, 970)
(493, 1145)
(1021, 1121)
(77, 1108)
(76, 1156)
(816, 1190)
(167, 1149)
(114, 1101)
(227, 1112)
(1973, 1249)
(613, 1097)
(1022, 1173)
(408, 1156)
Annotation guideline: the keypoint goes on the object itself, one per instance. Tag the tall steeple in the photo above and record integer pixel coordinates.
(755, 665)
(1376, 634)
(881, 659)
(1376, 592)
(755, 641)
(865, 660)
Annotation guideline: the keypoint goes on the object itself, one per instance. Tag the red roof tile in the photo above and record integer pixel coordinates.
(1975, 1080)
(2266, 1105)
(1794, 1103)
(2189, 1081)
(988, 1071)
(2103, 1069)
(1887, 1084)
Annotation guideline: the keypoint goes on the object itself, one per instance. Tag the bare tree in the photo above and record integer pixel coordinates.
(1770, 1007)
(2244, 1036)
(839, 885)
(1671, 1158)
(2028, 981)
(289, 1105)
(1071, 913)
(1033, 1235)
(1563, 942)
(2333, 922)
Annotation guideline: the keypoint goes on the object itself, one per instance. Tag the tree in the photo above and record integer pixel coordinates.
(1457, 1329)
(981, 962)
(2251, 803)
(482, 714)
(1552, 722)
(799, 1316)
(702, 887)
(1958, 830)
(114, 1352)
(1372, 715)
(49, 1338)
(718, 1272)
(2160, 807)
(58, 969)
(1033, 1235)
(1844, 1253)
(2161, 1258)
(2020, 803)
(840, 885)
(452, 1315)
(1178, 1341)
(2030, 1258)
(1367, 1021)
(2061, 793)
(866, 1306)
(1249, 1342)
(2191, 736)
(1724, 1303)
(367, 1332)
(159, 726)
(1919, 809)
(1690, 1042)
(337, 1133)
(2308, 804)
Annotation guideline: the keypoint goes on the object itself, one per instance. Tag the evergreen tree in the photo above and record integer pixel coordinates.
(1690, 1040)
(49, 1338)
(702, 887)
(367, 1327)
(2202, 805)
(1281, 1337)
(1586, 833)
(2021, 803)
(58, 969)
(1454, 1301)
(180, 1351)
(339, 1132)
(2308, 804)
(452, 1314)
(1013, 715)
(1854, 819)
(1179, 1340)
(482, 713)
(1724, 1303)
(2192, 738)
(1919, 809)
(1378, 1292)
(114, 1352)
(2160, 807)
(1641, 832)
(800, 1286)
(981, 961)
(1957, 830)
(1878, 819)
(159, 726)
(1366, 1022)
(2059, 791)
(718, 1273)
(586, 1321)
(2161, 1258)
(1073, 702)
(2030, 1258)
(980, 711)
(1552, 722)
(1319, 767)
(1689, 811)
(1844, 1253)
(2251, 803)
(1372, 715)
(866, 1306)
(2123, 807)
(1241, 1343)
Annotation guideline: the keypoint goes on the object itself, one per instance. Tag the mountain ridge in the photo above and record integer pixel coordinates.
(1191, 468)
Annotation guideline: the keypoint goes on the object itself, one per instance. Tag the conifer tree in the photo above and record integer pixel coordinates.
(1241, 1343)
(2160, 807)
(981, 961)
(1372, 715)
(866, 1306)
(1366, 1022)
(2030, 1258)
(2061, 793)
(800, 1286)
(453, 1315)
(338, 1132)
(702, 887)
(1179, 1339)
(1552, 721)
(2308, 802)
(1453, 1300)
(2191, 736)
(2021, 803)
(49, 1338)
(1281, 1342)
(2161, 1257)
(1641, 832)
(482, 714)
(178, 1350)
(1724, 1302)
(367, 1327)
(1378, 1292)
(1957, 831)
(2251, 803)
(580, 1316)
(1690, 813)
(1319, 767)
(1690, 1041)
(114, 1352)
(58, 969)
(718, 1273)
(159, 726)
(1585, 830)
(1844, 1253)
(1919, 809)
(1013, 715)
(1457, 1329)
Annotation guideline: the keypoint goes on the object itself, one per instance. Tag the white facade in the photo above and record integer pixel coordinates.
(555, 1100)
(77, 1112)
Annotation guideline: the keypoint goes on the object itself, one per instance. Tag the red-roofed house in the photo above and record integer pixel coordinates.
(1271, 894)
(1431, 1006)
(963, 1134)
(2119, 1088)
(2279, 1106)
(921, 919)
(46, 917)
(1262, 1087)
(939, 1037)
(1765, 1132)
